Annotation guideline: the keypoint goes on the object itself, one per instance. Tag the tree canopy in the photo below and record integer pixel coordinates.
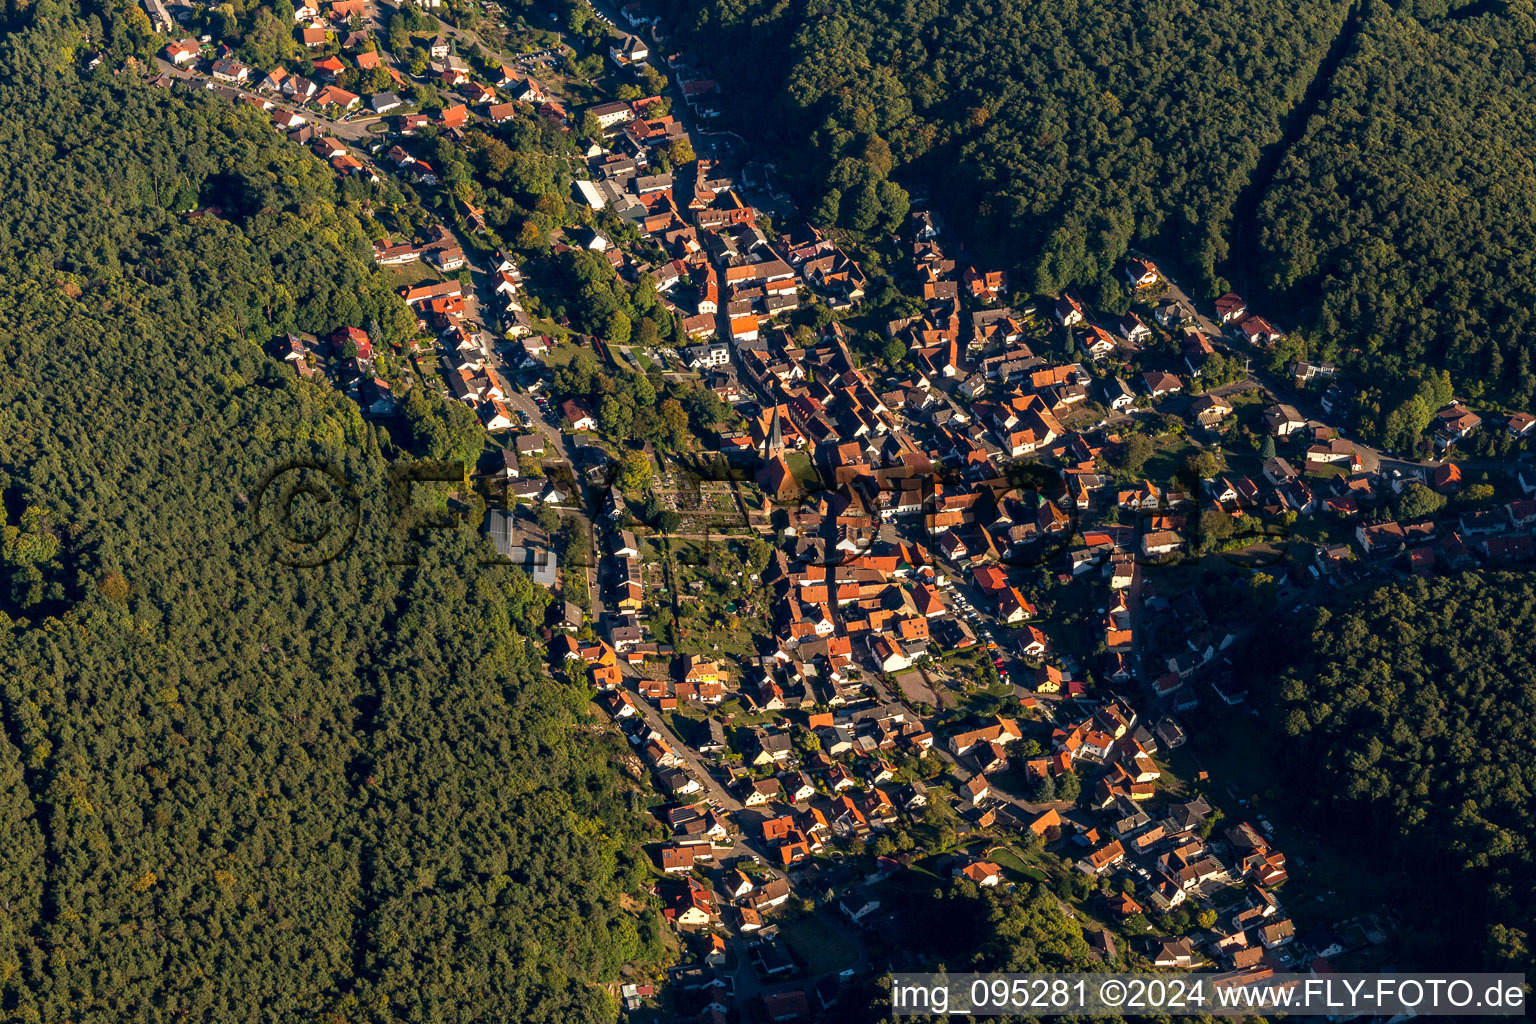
(233, 790)
(1060, 133)
(1410, 713)
(1405, 217)
(1365, 167)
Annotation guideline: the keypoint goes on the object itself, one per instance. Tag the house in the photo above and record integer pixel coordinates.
(630, 50)
(694, 906)
(1068, 310)
(699, 670)
(477, 93)
(1045, 822)
(496, 417)
(183, 52)
(1283, 420)
(1230, 308)
(1160, 384)
(789, 1005)
(299, 88)
(1097, 342)
(1209, 410)
(758, 794)
(330, 68)
(1141, 273)
(769, 747)
(227, 69)
(769, 894)
(1331, 452)
(981, 872)
(625, 545)
(1168, 315)
(1118, 394)
(1123, 905)
(858, 903)
(798, 787)
(610, 114)
(680, 859)
(1277, 933)
(384, 102)
(1002, 732)
(1174, 953)
(1453, 423)
(976, 788)
(448, 259)
(1101, 944)
(984, 284)
(707, 356)
(1257, 331)
(576, 413)
(1304, 370)
(1133, 330)
(335, 96)
(523, 547)
(1103, 859)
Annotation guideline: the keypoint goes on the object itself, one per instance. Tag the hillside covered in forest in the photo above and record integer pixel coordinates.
(231, 790)
(1073, 130)
(1366, 167)
(1404, 221)
(1408, 714)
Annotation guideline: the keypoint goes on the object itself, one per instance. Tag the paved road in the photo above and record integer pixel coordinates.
(1371, 459)
(351, 131)
(1203, 322)
(712, 787)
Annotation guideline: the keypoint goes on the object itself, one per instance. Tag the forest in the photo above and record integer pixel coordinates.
(1407, 713)
(1362, 172)
(1404, 220)
(1061, 133)
(230, 789)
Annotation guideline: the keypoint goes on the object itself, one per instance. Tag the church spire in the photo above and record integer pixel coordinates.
(776, 434)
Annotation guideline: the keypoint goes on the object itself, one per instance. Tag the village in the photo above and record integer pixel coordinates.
(954, 594)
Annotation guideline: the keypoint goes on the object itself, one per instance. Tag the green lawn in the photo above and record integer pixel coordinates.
(800, 465)
(1168, 455)
(1015, 867)
(410, 275)
(821, 948)
(562, 354)
(541, 325)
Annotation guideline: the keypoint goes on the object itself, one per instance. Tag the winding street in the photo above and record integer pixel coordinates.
(353, 130)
